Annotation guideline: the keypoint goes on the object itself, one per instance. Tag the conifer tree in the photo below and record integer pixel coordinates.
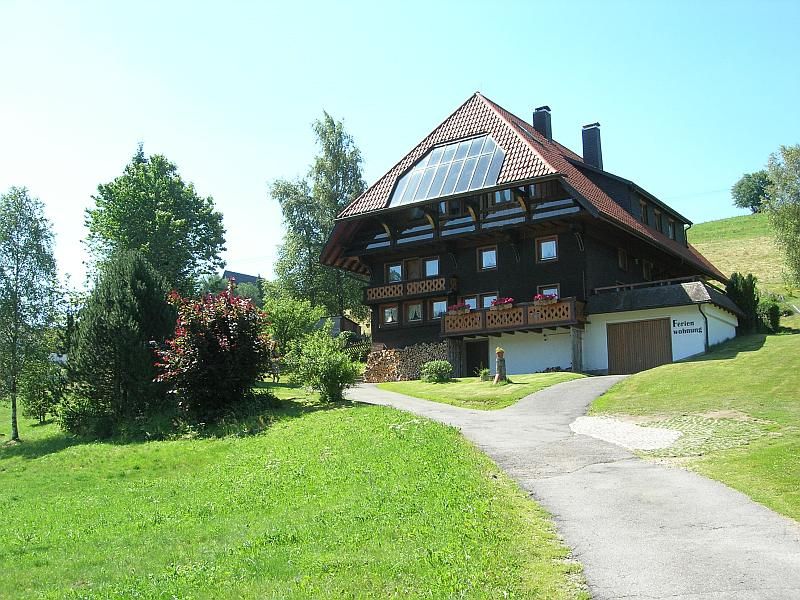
(112, 361)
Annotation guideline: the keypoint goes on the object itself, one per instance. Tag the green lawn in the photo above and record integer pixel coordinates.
(345, 501)
(739, 409)
(743, 244)
(471, 392)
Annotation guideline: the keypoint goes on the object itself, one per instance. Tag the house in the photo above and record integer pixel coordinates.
(242, 277)
(339, 323)
(488, 212)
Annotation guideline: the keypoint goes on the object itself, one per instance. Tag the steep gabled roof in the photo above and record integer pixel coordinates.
(529, 155)
(476, 116)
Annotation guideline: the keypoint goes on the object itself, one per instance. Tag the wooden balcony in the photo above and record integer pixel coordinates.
(524, 316)
(431, 286)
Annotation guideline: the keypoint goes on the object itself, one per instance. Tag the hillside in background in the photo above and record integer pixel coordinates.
(743, 244)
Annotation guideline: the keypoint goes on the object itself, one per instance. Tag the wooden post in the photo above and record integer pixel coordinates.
(577, 349)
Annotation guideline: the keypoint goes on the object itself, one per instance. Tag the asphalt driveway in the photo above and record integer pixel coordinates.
(641, 530)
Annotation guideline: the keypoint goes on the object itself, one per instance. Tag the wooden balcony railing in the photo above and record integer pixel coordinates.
(524, 316)
(409, 289)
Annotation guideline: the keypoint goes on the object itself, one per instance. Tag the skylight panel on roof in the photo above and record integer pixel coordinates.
(458, 167)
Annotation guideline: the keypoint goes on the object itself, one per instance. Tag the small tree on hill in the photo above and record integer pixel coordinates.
(218, 353)
(783, 205)
(751, 190)
(742, 290)
(320, 362)
(111, 362)
(290, 319)
(27, 289)
(151, 209)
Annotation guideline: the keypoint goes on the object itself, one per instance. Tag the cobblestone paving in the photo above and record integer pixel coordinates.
(702, 434)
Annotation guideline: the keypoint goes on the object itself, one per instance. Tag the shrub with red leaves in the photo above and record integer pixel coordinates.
(218, 352)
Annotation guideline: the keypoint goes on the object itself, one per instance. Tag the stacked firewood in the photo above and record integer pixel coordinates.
(401, 364)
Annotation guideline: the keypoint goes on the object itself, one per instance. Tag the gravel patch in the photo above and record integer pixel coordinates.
(625, 434)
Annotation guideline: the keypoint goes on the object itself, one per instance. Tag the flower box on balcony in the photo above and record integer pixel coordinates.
(458, 309)
(544, 299)
(502, 304)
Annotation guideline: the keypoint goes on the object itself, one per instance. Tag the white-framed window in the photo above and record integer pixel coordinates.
(487, 299)
(487, 258)
(551, 289)
(438, 308)
(471, 301)
(390, 314)
(394, 272)
(432, 266)
(413, 312)
(546, 249)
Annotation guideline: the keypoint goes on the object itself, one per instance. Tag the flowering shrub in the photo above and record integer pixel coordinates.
(459, 306)
(502, 301)
(216, 355)
(545, 298)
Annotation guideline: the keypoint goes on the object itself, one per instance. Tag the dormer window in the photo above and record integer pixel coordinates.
(644, 216)
(470, 164)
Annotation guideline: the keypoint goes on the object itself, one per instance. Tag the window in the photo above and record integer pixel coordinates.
(546, 249)
(487, 299)
(390, 315)
(500, 197)
(622, 259)
(414, 312)
(647, 270)
(471, 301)
(487, 258)
(643, 214)
(438, 308)
(470, 164)
(432, 267)
(412, 268)
(658, 222)
(552, 289)
(671, 229)
(394, 273)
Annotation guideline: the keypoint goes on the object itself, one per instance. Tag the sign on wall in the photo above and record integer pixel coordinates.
(685, 327)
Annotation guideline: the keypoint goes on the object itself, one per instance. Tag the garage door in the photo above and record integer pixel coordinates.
(638, 345)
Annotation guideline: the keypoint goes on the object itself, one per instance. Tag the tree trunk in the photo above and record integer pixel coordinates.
(14, 426)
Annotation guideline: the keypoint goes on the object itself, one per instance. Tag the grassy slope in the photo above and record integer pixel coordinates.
(743, 244)
(470, 392)
(754, 445)
(346, 502)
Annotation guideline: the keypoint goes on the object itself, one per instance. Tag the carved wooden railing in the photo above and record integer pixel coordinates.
(409, 289)
(522, 316)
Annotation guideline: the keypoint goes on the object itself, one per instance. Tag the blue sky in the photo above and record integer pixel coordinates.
(690, 95)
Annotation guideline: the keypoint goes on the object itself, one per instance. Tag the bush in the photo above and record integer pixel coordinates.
(111, 362)
(485, 374)
(436, 371)
(41, 388)
(769, 315)
(319, 361)
(742, 290)
(218, 353)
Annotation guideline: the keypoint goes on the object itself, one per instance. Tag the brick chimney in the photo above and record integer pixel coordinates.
(592, 151)
(541, 121)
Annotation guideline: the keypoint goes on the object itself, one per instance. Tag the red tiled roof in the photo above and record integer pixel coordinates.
(476, 116)
(529, 154)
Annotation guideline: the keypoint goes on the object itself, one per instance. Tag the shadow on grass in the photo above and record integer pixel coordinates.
(262, 414)
(37, 448)
(731, 348)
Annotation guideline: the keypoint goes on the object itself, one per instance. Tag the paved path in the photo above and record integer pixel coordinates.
(640, 529)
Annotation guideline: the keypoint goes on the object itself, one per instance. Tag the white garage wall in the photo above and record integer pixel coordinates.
(721, 324)
(534, 352)
(686, 322)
